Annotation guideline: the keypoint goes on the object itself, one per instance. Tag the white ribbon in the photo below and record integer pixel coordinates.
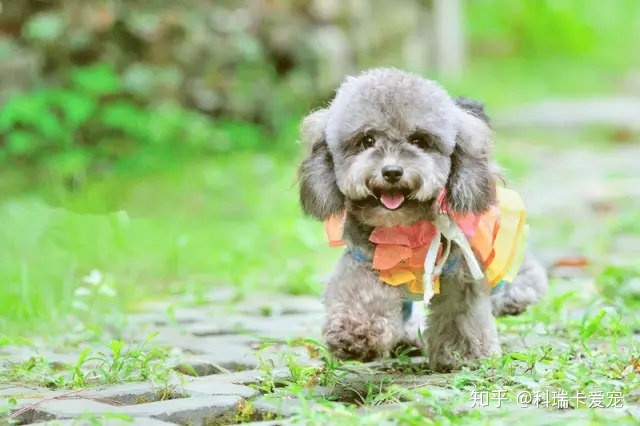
(430, 268)
(448, 229)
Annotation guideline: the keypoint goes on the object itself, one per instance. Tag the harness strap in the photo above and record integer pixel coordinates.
(448, 229)
(452, 232)
(430, 267)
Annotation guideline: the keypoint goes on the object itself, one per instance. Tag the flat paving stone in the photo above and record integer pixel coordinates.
(194, 410)
(19, 391)
(267, 305)
(247, 377)
(222, 327)
(130, 393)
(67, 408)
(182, 316)
(200, 345)
(284, 407)
(289, 327)
(211, 386)
(232, 357)
(106, 421)
(197, 367)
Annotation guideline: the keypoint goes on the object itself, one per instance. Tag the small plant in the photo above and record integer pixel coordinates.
(128, 364)
(6, 407)
(267, 382)
(117, 365)
(245, 412)
(95, 286)
(36, 370)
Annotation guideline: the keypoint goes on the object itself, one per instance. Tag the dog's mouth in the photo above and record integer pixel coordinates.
(391, 200)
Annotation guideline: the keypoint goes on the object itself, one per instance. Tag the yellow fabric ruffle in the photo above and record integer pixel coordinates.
(510, 240)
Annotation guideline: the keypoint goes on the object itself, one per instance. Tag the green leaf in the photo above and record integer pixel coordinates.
(116, 348)
(82, 357)
(50, 126)
(591, 325)
(22, 109)
(20, 142)
(77, 107)
(127, 117)
(96, 80)
(520, 356)
(70, 162)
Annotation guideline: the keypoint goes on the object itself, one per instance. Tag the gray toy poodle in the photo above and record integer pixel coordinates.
(386, 155)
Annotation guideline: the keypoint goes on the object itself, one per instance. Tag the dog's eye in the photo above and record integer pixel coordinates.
(367, 141)
(423, 141)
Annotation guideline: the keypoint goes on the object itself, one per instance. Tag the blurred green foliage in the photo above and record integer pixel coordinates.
(217, 57)
(90, 124)
(132, 85)
(231, 220)
(601, 32)
(155, 141)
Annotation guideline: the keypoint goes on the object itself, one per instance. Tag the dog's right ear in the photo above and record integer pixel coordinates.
(471, 186)
(473, 107)
(319, 193)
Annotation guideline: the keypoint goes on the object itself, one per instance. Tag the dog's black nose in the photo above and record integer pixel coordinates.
(392, 174)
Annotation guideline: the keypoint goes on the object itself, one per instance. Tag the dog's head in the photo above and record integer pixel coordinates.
(388, 143)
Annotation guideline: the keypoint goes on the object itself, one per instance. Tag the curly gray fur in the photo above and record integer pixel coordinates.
(392, 137)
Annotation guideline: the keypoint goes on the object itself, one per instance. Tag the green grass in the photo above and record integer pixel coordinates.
(119, 362)
(228, 220)
(526, 51)
(85, 256)
(231, 219)
(573, 343)
(234, 218)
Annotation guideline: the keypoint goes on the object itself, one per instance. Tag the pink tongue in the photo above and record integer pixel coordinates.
(391, 200)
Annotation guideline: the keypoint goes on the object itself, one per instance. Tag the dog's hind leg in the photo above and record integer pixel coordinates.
(528, 287)
(363, 319)
(460, 326)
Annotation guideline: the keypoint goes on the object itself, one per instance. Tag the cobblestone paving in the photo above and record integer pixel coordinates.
(218, 340)
(217, 345)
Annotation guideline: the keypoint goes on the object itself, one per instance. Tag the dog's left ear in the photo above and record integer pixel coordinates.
(320, 196)
(471, 187)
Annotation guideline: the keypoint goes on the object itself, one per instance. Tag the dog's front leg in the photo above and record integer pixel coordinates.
(460, 325)
(363, 315)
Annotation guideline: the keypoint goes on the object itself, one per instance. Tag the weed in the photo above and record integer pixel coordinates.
(245, 412)
(118, 364)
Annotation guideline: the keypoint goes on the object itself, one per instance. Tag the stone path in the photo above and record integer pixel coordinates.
(211, 341)
(217, 343)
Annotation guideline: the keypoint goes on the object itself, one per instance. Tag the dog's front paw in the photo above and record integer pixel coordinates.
(358, 339)
(456, 339)
(444, 359)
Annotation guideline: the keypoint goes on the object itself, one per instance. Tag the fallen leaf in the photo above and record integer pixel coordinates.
(312, 351)
(572, 261)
